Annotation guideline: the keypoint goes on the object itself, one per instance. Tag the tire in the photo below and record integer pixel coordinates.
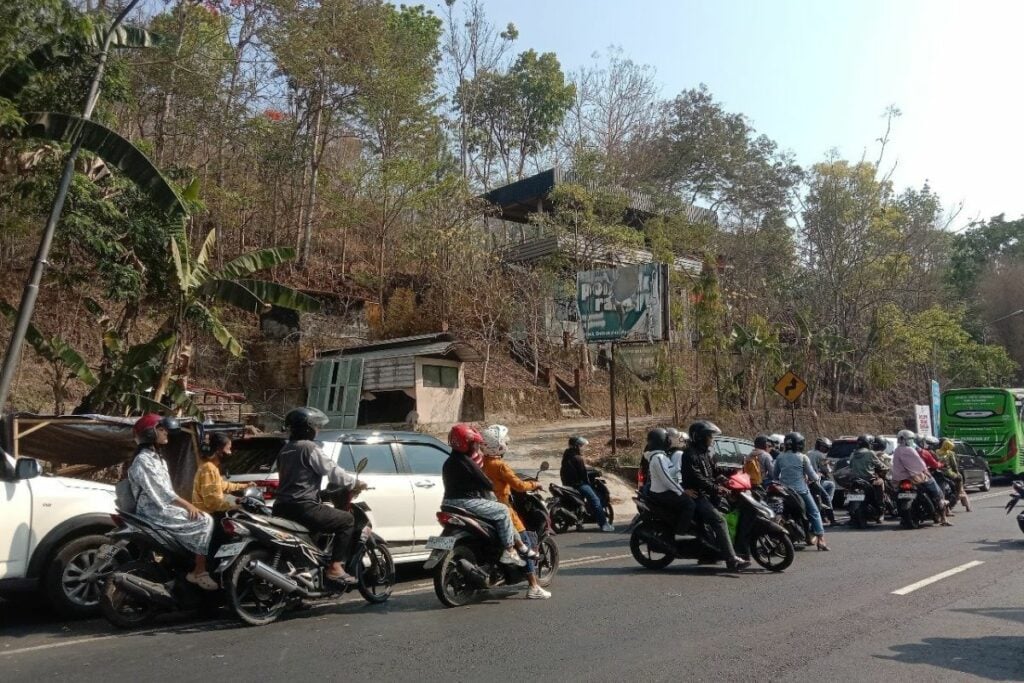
(451, 587)
(986, 482)
(858, 517)
(124, 610)
(609, 512)
(254, 601)
(908, 520)
(772, 550)
(560, 521)
(547, 563)
(68, 585)
(377, 581)
(643, 553)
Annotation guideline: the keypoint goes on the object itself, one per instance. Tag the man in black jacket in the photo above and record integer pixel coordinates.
(574, 474)
(698, 476)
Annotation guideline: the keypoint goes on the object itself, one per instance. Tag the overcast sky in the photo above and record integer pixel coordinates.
(818, 74)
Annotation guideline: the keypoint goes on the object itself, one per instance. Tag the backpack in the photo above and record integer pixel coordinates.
(124, 496)
(752, 468)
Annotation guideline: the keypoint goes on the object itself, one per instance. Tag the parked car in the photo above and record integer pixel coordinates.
(50, 531)
(730, 452)
(403, 473)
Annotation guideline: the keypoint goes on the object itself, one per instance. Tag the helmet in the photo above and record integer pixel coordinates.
(304, 422)
(906, 438)
(864, 441)
(463, 438)
(676, 438)
(495, 441)
(658, 439)
(700, 431)
(822, 444)
(144, 428)
(577, 441)
(931, 443)
(879, 444)
(947, 445)
(795, 442)
(776, 440)
(761, 441)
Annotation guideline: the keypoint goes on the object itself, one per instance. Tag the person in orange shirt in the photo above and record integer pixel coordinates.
(209, 486)
(505, 481)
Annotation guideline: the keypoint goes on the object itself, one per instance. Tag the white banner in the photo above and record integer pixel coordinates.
(924, 420)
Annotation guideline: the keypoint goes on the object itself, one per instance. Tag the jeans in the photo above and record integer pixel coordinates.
(829, 487)
(707, 513)
(530, 540)
(324, 519)
(681, 505)
(935, 492)
(595, 503)
(813, 513)
(492, 511)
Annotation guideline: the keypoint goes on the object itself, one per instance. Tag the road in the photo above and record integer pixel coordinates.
(832, 616)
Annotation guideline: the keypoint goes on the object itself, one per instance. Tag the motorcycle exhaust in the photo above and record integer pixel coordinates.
(476, 576)
(272, 576)
(149, 591)
(656, 542)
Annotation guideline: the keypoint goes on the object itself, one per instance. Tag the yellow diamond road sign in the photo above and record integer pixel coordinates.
(790, 387)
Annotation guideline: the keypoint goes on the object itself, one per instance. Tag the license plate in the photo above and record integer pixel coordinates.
(855, 497)
(441, 542)
(230, 549)
(907, 496)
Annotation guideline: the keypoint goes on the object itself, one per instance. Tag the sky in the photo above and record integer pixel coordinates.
(818, 75)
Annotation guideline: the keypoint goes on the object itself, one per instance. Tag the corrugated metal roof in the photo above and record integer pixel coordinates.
(462, 352)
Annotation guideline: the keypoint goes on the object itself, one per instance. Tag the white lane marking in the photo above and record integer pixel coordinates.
(938, 577)
(418, 588)
(992, 494)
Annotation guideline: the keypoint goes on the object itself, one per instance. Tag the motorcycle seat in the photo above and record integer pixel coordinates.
(287, 524)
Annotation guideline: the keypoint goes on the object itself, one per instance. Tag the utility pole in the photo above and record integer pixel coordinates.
(31, 292)
(611, 392)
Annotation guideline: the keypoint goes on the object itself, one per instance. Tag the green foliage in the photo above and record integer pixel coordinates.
(982, 244)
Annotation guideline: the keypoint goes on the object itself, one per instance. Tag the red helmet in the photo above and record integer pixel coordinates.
(144, 428)
(464, 439)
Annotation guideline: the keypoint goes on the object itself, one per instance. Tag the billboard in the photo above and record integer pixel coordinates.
(624, 304)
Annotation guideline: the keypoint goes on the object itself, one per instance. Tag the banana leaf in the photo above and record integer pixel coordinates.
(254, 261)
(256, 295)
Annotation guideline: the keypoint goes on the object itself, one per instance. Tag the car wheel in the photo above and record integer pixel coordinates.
(986, 481)
(70, 585)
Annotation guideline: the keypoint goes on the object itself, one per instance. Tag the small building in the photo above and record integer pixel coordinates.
(410, 380)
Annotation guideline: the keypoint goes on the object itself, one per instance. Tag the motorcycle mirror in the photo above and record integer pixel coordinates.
(252, 492)
(545, 466)
(361, 465)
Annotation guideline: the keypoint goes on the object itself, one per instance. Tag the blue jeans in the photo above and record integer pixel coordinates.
(492, 511)
(938, 497)
(530, 540)
(830, 489)
(595, 503)
(812, 512)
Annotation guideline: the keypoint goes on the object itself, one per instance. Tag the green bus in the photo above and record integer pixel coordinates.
(990, 420)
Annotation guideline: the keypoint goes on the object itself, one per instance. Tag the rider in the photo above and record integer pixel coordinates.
(775, 445)
(302, 465)
(209, 486)
(794, 470)
(947, 456)
(158, 503)
(698, 480)
(907, 464)
(574, 474)
(666, 491)
(863, 465)
(759, 465)
(466, 486)
(819, 459)
(505, 481)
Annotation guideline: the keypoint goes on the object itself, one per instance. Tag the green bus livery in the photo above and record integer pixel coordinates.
(988, 419)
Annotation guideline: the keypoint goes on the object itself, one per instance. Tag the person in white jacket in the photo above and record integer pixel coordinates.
(666, 489)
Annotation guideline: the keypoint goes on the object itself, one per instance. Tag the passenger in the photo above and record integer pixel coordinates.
(908, 465)
(759, 465)
(794, 471)
(209, 487)
(946, 456)
(666, 489)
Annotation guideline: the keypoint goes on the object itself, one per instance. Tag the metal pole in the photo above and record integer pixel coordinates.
(611, 392)
(31, 292)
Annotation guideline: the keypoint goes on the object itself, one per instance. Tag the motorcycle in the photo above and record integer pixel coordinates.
(914, 504)
(654, 541)
(464, 559)
(1015, 495)
(950, 489)
(275, 563)
(862, 503)
(568, 507)
(789, 507)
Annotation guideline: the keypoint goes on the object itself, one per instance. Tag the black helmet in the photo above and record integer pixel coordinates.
(864, 441)
(794, 442)
(304, 422)
(761, 441)
(658, 439)
(700, 431)
(822, 445)
(879, 444)
(577, 441)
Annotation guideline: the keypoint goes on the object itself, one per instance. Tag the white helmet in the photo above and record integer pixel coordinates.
(906, 438)
(495, 441)
(777, 439)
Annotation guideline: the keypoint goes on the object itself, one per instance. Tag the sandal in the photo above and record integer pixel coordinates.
(204, 581)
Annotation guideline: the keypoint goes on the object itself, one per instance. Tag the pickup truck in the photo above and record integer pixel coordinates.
(50, 530)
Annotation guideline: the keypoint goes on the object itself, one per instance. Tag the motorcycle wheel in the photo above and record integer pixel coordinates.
(609, 512)
(255, 601)
(547, 563)
(646, 555)
(772, 550)
(909, 517)
(858, 517)
(123, 609)
(377, 581)
(452, 588)
(560, 521)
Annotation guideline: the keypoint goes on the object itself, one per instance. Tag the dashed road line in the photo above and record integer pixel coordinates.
(938, 577)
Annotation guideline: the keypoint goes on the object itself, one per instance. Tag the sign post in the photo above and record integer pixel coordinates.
(936, 408)
(924, 420)
(791, 388)
(611, 393)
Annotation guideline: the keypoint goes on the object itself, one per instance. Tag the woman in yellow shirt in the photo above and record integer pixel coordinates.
(209, 486)
(505, 481)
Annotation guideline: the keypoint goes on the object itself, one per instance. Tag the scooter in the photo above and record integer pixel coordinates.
(655, 542)
(789, 507)
(862, 503)
(914, 504)
(568, 507)
(464, 559)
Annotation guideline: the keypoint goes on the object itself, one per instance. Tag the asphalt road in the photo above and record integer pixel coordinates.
(832, 616)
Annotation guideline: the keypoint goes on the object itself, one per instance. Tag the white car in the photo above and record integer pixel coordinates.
(50, 530)
(403, 472)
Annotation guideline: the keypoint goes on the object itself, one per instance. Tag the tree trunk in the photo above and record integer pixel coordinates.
(314, 171)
